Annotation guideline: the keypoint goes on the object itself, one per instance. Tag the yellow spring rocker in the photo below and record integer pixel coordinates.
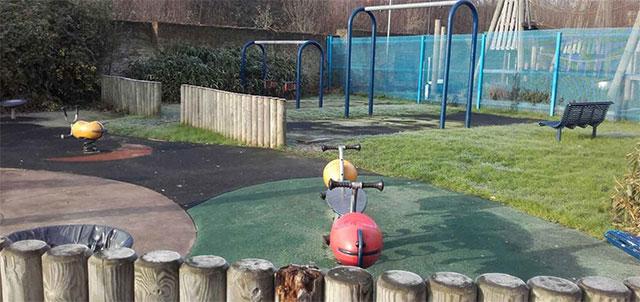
(87, 132)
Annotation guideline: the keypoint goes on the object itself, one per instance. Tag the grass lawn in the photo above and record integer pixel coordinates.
(165, 130)
(521, 165)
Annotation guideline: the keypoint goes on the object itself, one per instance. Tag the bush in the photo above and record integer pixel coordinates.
(215, 68)
(50, 50)
(626, 199)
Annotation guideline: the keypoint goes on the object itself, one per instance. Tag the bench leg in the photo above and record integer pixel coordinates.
(559, 134)
(593, 133)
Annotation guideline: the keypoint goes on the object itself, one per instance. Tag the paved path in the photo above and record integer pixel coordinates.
(30, 199)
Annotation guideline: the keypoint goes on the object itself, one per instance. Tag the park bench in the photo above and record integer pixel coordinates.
(581, 115)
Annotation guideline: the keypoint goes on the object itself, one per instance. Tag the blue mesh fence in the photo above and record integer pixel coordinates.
(518, 71)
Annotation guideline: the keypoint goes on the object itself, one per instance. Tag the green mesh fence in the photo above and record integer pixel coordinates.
(518, 70)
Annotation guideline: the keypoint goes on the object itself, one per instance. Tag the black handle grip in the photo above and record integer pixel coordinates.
(347, 184)
(346, 147)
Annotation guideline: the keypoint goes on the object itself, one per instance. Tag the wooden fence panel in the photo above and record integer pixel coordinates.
(132, 96)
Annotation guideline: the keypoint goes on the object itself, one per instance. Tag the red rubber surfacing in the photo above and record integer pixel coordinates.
(126, 151)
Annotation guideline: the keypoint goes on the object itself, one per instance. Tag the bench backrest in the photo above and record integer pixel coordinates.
(583, 114)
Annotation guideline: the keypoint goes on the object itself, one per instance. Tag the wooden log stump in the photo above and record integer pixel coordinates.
(451, 287)
(203, 278)
(156, 276)
(633, 284)
(4, 242)
(21, 271)
(494, 287)
(603, 289)
(348, 283)
(397, 286)
(111, 275)
(548, 288)
(64, 273)
(299, 283)
(250, 280)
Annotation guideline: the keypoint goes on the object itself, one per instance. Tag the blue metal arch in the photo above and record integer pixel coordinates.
(472, 61)
(301, 47)
(243, 63)
(347, 88)
(299, 72)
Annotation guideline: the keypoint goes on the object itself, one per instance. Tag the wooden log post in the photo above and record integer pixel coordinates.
(156, 276)
(203, 278)
(547, 288)
(435, 73)
(21, 271)
(348, 284)
(250, 280)
(299, 283)
(64, 273)
(5, 242)
(281, 131)
(273, 123)
(494, 287)
(111, 275)
(633, 283)
(450, 286)
(603, 289)
(400, 286)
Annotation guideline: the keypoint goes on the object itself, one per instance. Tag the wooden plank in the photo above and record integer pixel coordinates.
(281, 131)
(21, 271)
(254, 120)
(64, 274)
(111, 275)
(273, 123)
(266, 113)
(250, 280)
(182, 102)
(398, 286)
(260, 125)
(156, 277)
(203, 278)
(435, 73)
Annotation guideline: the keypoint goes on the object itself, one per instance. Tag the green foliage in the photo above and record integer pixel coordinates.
(625, 202)
(215, 68)
(50, 50)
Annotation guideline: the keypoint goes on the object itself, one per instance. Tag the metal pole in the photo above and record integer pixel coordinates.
(556, 72)
(474, 37)
(299, 72)
(329, 61)
(481, 70)
(347, 86)
(421, 70)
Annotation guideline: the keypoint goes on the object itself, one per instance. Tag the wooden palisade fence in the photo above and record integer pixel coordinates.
(258, 121)
(132, 96)
(32, 271)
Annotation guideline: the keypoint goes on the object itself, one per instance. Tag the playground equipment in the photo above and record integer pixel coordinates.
(302, 44)
(624, 241)
(355, 238)
(87, 132)
(454, 7)
(340, 170)
(12, 105)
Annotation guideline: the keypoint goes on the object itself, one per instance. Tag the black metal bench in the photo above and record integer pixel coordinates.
(581, 115)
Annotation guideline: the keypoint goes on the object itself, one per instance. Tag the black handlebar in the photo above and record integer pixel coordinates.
(346, 147)
(347, 184)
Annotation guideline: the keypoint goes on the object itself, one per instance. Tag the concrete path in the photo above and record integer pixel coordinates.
(30, 199)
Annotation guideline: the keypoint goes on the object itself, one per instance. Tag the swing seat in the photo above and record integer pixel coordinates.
(339, 200)
(624, 241)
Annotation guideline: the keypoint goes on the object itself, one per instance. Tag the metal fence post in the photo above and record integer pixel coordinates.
(556, 71)
(483, 44)
(421, 70)
(329, 60)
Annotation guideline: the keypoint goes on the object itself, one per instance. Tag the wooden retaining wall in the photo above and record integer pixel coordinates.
(132, 96)
(32, 271)
(257, 121)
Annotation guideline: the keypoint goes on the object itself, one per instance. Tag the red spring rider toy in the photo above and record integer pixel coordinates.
(355, 238)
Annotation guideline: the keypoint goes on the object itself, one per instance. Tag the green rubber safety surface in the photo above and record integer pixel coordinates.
(426, 230)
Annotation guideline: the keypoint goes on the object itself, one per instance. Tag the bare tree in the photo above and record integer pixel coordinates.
(264, 18)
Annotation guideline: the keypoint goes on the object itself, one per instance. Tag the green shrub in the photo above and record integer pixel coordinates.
(50, 50)
(215, 68)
